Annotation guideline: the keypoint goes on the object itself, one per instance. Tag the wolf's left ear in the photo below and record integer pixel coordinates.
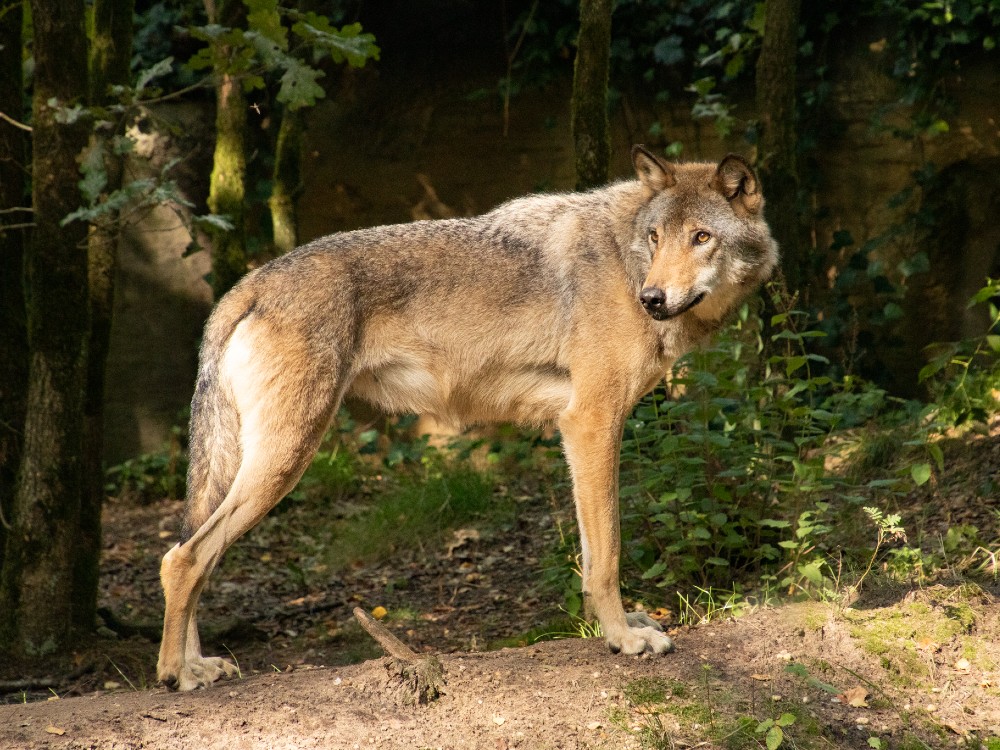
(652, 171)
(736, 180)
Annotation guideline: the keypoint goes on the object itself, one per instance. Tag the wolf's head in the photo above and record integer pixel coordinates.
(704, 231)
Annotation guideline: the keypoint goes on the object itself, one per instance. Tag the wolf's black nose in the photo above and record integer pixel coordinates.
(653, 298)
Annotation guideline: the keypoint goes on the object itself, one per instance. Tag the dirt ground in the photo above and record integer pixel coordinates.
(573, 694)
(903, 668)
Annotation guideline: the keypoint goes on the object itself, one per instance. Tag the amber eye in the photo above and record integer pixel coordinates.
(701, 237)
(654, 236)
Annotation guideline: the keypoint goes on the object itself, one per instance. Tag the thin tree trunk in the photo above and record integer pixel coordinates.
(286, 181)
(13, 325)
(590, 94)
(36, 589)
(227, 188)
(776, 136)
(110, 56)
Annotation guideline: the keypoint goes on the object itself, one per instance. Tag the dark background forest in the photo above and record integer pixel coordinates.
(153, 152)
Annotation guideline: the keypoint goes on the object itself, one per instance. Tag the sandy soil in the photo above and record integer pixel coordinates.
(574, 694)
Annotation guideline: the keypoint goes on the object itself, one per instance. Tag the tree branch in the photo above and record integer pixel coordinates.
(7, 118)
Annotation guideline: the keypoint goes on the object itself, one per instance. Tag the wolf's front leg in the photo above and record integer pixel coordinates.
(591, 441)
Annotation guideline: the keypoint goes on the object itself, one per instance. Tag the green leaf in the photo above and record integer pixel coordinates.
(774, 738)
(892, 311)
(785, 720)
(654, 571)
(215, 221)
(95, 177)
(794, 363)
(937, 454)
(921, 473)
(346, 44)
(263, 17)
(774, 523)
(162, 68)
(298, 85)
(812, 572)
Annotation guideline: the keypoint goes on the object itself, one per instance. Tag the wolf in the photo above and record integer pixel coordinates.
(552, 309)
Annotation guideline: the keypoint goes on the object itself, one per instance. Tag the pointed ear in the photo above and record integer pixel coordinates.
(652, 171)
(736, 180)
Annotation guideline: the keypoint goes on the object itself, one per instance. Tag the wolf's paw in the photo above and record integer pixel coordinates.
(644, 634)
(199, 673)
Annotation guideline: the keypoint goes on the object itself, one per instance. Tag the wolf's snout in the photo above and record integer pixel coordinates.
(653, 299)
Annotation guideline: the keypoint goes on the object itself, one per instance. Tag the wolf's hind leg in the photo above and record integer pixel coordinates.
(260, 483)
(276, 451)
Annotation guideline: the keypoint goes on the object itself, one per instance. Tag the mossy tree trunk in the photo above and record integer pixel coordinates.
(36, 582)
(227, 189)
(287, 181)
(777, 143)
(13, 327)
(110, 57)
(590, 94)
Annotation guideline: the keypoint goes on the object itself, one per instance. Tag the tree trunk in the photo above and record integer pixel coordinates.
(13, 326)
(36, 589)
(227, 188)
(776, 136)
(286, 181)
(590, 94)
(110, 56)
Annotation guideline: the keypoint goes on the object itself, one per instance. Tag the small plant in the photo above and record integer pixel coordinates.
(888, 530)
(709, 605)
(774, 730)
(152, 476)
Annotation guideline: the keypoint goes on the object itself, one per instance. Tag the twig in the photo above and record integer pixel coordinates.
(38, 683)
(510, 67)
(8, 119)
(389, 643)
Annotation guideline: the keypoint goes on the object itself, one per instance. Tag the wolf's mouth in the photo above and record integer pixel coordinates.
(665, 312)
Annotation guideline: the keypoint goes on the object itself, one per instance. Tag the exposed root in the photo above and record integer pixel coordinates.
(421, 677)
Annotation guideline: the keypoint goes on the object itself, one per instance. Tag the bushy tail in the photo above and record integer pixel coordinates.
(214, 447)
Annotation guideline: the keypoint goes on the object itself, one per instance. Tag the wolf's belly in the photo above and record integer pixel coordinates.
(529, 395)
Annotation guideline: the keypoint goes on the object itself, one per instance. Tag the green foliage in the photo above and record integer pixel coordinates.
(729, 476)
(284, 43)
(152, 476)
(963, 375)
(708, 605)
(929, 36)
(774, 730)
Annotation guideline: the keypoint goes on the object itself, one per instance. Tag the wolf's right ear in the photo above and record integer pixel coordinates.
(652, 171)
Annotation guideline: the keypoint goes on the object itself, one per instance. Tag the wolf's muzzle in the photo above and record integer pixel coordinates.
(654, 300)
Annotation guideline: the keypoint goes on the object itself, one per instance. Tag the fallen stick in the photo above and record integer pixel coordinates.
(422, 675)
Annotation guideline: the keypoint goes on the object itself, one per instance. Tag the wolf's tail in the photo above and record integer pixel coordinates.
(214, 446)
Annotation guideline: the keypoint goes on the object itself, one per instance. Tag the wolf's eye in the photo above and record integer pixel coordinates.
(654, 236)
(701, 237)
